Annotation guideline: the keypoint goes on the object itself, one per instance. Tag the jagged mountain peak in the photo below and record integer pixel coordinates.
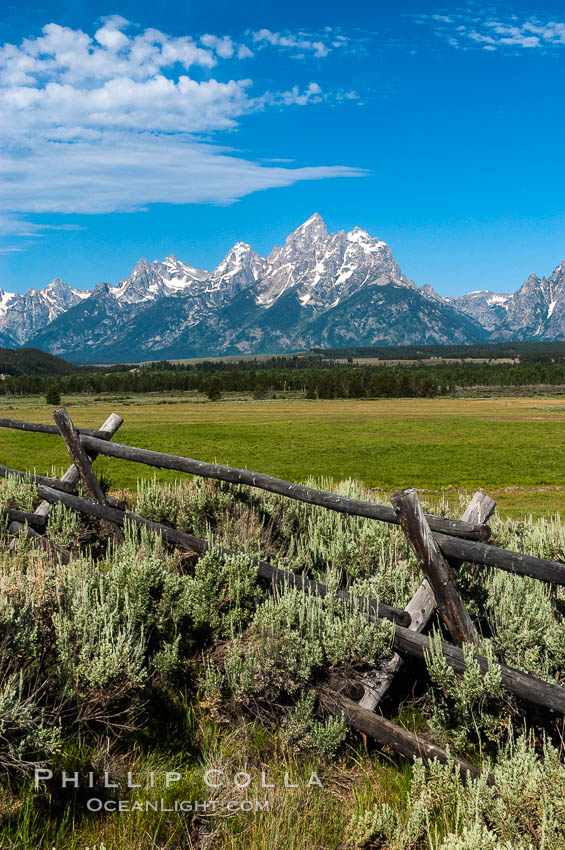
(5, 299)
(56, 284)
(312, 230)
(430, 292)
(315, 222)
(358, 234)
(362, 238)
(240, 269)
(316, 289)
(240, 252)
(324, 268)
(22, 315)
(141, 267)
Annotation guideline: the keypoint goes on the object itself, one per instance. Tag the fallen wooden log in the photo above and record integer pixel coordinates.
(54, 550)
(420, 607)
(56, 483)
(199, 546)
(389, 734)
(14, 515)
(521, 684)
(440, 575)
(332, 501)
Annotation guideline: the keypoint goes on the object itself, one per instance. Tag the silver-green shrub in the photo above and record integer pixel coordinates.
(28, 732)
(304, 732)
(523, 810)
(16, 492)
(223, 593)
(467, 706)
(292, 636)
(63, 524)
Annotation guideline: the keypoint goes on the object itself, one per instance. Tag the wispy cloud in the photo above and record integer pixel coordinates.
(467, 29)
(11, 225)
(115, 121)
(114, 172)
(301, 44)
(312, 93)
(15, 226)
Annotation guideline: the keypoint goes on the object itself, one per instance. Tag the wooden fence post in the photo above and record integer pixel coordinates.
(82, 462)
(71, 477)
(439, 573)
(420, 607)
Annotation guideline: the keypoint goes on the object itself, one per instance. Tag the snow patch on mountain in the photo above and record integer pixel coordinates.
(21, 316)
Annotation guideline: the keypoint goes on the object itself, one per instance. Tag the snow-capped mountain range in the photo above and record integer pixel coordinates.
(21, 316)
(319, 289)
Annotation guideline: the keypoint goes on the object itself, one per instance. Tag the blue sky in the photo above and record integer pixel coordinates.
(137, 129)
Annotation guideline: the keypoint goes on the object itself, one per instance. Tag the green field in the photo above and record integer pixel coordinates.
(513, 448)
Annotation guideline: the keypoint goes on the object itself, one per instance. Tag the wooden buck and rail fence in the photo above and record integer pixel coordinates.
(441, 546)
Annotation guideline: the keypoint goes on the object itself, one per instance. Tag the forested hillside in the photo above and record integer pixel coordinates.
(32, 361)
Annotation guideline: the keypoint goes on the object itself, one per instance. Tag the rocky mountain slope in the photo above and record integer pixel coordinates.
(535, 312)
(319, 289)
(21, 316)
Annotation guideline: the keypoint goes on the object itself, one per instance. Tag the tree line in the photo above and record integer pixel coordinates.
(318, 379)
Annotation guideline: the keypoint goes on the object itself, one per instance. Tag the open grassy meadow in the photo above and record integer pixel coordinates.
(513, 447)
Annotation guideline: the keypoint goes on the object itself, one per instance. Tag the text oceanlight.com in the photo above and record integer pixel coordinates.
(209, 807)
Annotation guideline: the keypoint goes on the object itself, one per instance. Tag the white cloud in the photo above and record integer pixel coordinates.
(311, 94)
(243, 52)
(15, 226)
(110, 35)
(301, 43)
(11, 225)
(464, 30)
(122, 173)
(223, 46)
(112, 122)
(156, 103)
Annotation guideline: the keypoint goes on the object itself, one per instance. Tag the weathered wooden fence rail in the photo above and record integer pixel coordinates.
(457, 539)
(232, 475)
(39, 428)
(447, 532)
(56, 483)
(441, 545)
